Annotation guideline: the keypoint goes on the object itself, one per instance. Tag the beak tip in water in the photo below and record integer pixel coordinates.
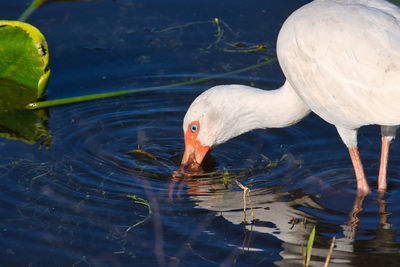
(193, 155)
(189, 163)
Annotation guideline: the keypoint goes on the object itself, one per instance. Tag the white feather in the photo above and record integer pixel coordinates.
(341, 59)
(227, 111)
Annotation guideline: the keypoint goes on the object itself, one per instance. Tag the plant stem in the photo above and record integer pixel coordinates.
(63, 101)
(36, 3)
(330, 252)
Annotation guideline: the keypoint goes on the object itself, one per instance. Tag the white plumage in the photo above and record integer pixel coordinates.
(341, 59)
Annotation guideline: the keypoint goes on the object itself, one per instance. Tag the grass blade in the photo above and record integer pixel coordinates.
(309, 246)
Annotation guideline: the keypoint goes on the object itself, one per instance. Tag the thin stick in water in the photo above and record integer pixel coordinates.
(330, 252)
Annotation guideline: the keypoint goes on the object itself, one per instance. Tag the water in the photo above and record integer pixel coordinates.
(72, 202)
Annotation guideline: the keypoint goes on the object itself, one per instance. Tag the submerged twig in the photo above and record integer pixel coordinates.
(330, 252)
(40, 175)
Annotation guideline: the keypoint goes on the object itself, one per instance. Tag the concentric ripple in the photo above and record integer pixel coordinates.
(118, 162)
(309, 157)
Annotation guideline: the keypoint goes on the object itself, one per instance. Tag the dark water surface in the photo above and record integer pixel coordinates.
(72, 203)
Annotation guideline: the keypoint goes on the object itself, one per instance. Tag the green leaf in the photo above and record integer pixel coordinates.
(24, 74)
(24, 65)
(309, 246)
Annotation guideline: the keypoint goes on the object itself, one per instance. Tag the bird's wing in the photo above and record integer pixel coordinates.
(343, 58)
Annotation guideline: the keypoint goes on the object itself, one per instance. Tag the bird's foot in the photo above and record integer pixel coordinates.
(363, 190)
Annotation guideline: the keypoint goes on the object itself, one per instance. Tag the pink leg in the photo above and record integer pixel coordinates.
(384, 161)
(362, 185)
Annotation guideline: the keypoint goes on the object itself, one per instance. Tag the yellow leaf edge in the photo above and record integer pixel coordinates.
(43, 50)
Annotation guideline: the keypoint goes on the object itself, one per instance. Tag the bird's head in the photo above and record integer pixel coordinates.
(211, 119)
(226, 111)
(195, 149)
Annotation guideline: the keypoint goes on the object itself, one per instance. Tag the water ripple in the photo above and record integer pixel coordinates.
(302, 171)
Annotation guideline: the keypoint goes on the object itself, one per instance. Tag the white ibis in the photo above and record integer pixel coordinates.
(341, 59)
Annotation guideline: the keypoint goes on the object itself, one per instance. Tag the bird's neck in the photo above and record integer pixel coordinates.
(281, 108)
(272, 109)
(247, 108)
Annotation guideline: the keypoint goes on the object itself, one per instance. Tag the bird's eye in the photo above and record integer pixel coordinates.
(194, 127)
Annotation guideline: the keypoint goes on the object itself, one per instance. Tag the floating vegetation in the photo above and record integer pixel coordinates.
(142, 152)
(216, 21)
(242, 47)
(275, 162)
(219, 23)
(226, 178)
(221, 38)
(141, 201)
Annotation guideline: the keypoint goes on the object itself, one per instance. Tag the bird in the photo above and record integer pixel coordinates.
(341, 60)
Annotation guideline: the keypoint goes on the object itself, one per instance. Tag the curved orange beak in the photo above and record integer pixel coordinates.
(194, 151)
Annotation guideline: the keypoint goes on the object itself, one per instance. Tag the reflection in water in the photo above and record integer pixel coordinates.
(29, 126)
(281, 215)
(276, 213)
(69, 204)
(75, 194)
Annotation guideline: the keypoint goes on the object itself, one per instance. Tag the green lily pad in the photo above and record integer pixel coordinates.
(24, 74)
(24, 65)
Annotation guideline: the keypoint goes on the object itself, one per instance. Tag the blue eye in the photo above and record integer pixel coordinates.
(194, 128)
